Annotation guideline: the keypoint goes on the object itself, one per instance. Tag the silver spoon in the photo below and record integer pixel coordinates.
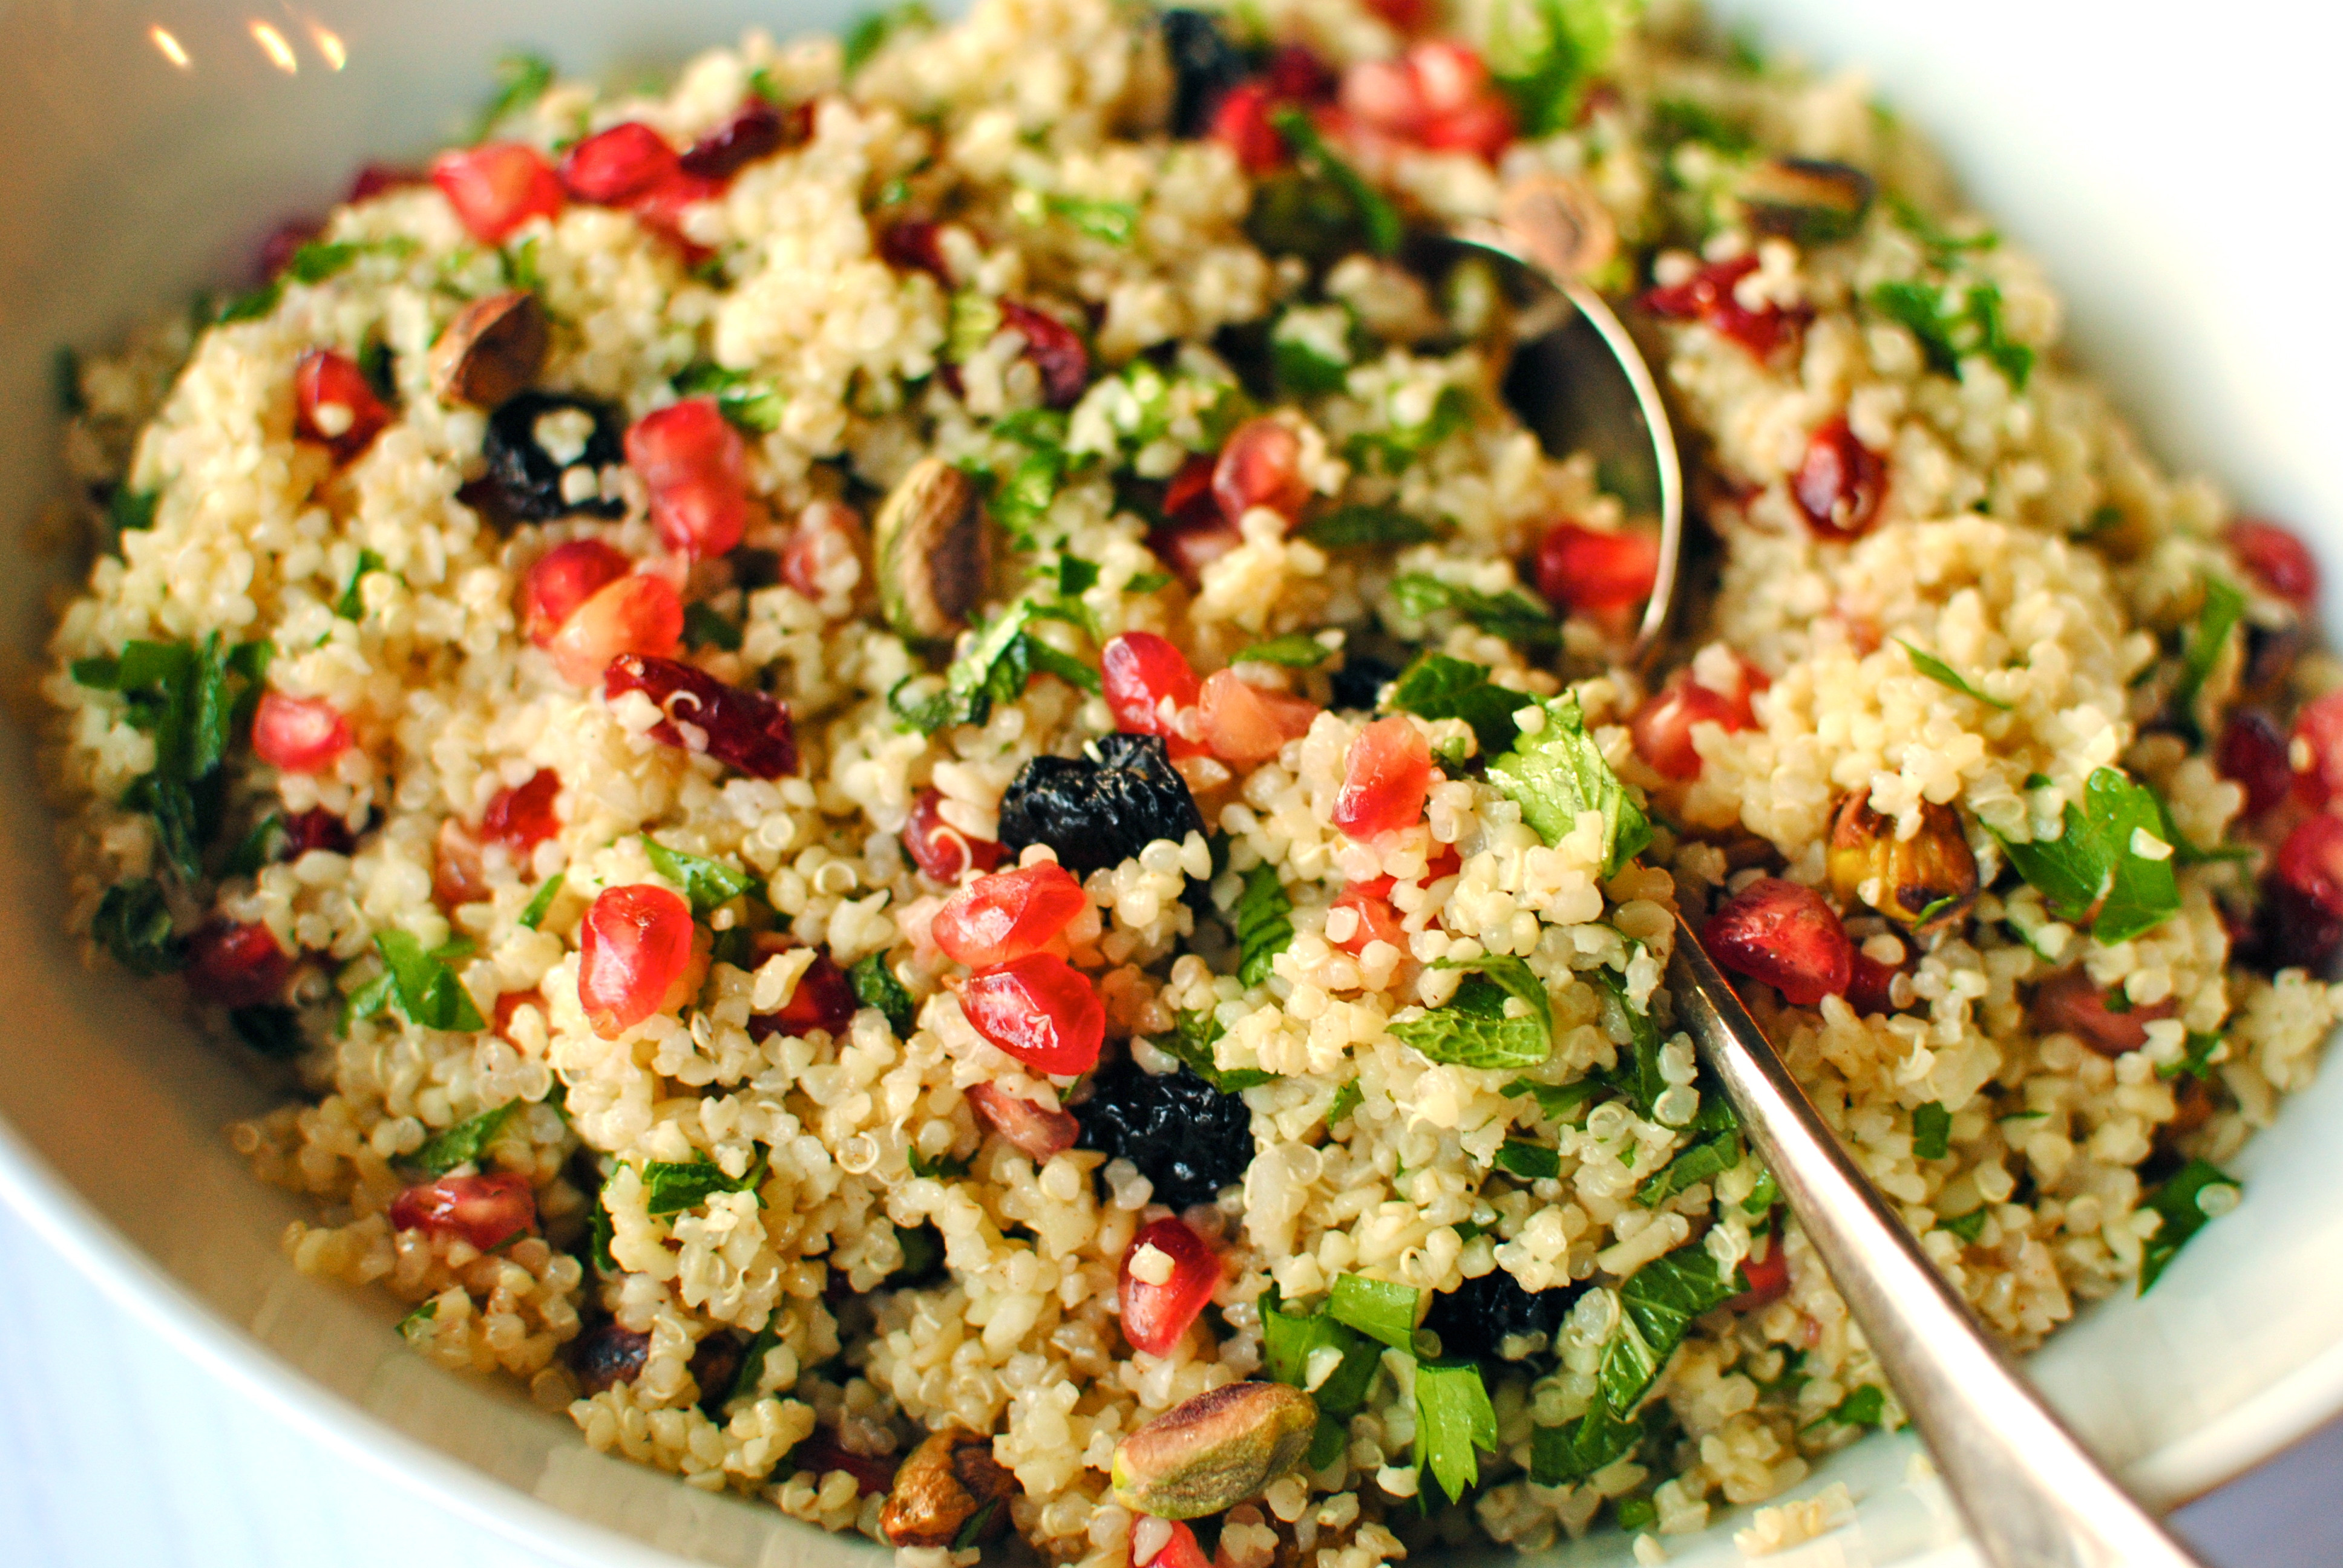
(2033, 1495)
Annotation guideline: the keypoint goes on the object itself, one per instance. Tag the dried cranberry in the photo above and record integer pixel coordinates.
(1189, 547)
(2277, 558)
(1662, 727)
(522, 816)
(605, 1357)
(459, 871)
(334, 404)
(298, 734)
(1768, 1278)
(1157, 1312)
(612, 167)
(912, 245)
(1056, 350)
(2292, 931)
(1386, 778)
(485, 1211)
(1296, 71)
(1008, 914)
(1708, 296)
(940, 849)
(375, 179)
(1782, 934)
(634, 945)
(2253, 752)
(498, 186)
(1039, 1010)
(232, 964)
(1596, 570)
(1042, 1132)
(2319, 727)
(1241, 124)
(2072, 1003)
(744, 729)
(317, 829)
(755, 130)
(2311, 862)
(1839, 484)
(824, 1000)
(874, 1474)
(1868, 985)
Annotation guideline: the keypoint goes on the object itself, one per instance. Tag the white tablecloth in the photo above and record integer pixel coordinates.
(115, 1454)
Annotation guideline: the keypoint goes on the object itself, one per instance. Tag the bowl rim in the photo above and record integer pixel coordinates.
(2221, 1450)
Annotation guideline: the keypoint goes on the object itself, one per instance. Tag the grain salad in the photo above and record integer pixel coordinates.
(931, 808)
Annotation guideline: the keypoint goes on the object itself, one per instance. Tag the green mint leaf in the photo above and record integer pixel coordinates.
(1295, 651)
(1375, 212)
(1148, 582)
(1945, 675)
(424, 988)
(1114, 222)
(1438, 687)
(1559, 773)
(267, 840)
(2180, 1201)
(2225, 606)
(350, 606)
(1968, 1227)
(1190, 1040)
(707, 883)
(64, 382)
(1473, 1030)
(2142, 893)
(1863, 1406)
(1932, 1131)
(703, 627)
(1453, 1419)
(2195, 1058)
(754, 406)
(1703, 1161)
(1528, 1161)
(1761, 1197)
(1678, 120)
(410, 1327)
(1300, 371)
(1352, 527)
(873, 31)
(599, 1234)
(674, 1186)
(1002, 661)
(540, 903)
(250, 306)
(1034, 428)
(1558, 1102)
(1543, 55)
(132, 922)
(273, 1031)
(462, 1143)
(1513, 615)
(130, 511)
(1942, 246)
(1263, 926)
(1599, 1438)
(1075, 576)
(521, 81)
(1949, 329)
(942, 1168)
(1346, 1100)
(875, 985)
(752, 1362)
(1656, 1305)
(1376, 1308)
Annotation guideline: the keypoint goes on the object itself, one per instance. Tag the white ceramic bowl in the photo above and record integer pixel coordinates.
(2177, 173)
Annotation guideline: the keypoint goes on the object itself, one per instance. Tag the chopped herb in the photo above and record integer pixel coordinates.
(752, 404)
(2195, 1058)
(1637, 1072)
(1543, 55)
(1114, 222)
(350, 606)
(250, 306)
(520, 266)
(1020, 502)
(462, 1145)
(1932, 1131)
(1376, 1308)
(1529, 1161)
(1558, 775)
(1438, 687)
(1473, 1030)
(1001, 662)
(1968, 1227)
(873, 31)
(703, 627)
(1074, 576)
(1295, 651)
(943, 1167)
(273, 1031)
(130, 511)
(673, 1186)
(1675, 120)
(1633, 1514)
(1349, 527)
(875, 985)
(1863, 1406)
(1375, 212)
(1513, 615)
(1656, 1304)
(1453, 1419)
(1945, 675)
(1948, 332)
(1346, 1100)
(1291, 1338)
(707, 883)
(64, 381)
(2225, 606)
(1191, 1039)
(2093, 866)
(132, 922)
(600, 1233)
(1394, 449)
(521, 81)
(752, 1360)
(1761, 1197)
(1557, 1101)
(1599, 1438)
(540, 903)
(422, 985)
(411, 1325)
(973, 1530)
(183, 696)
(1263, 926)
(1148, 582)
(2181, 1201)
(1703, 1161)
(1941, 246)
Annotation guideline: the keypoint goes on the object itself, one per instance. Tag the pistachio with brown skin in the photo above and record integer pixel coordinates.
(1805, 199)
(929, 544)
(1559, 224)
(493, 349)
(1215, 1451)
(949, 1488)
(1923, 882)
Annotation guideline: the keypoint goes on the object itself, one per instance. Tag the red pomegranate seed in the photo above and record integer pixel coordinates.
(1768, 1278)
(745, 729)
(298, 734)
(1261, 466)
(231, 964)
(1245, 725)
(1591, 569)
(2319, 727)
(1383, 94)
(1188, 494)
(824, 1000)
(1056, 350)
(1296, 71)
(561, 579)
(1241, 123)
(2253, 752)
(1484, 127)
(635, 944)
(1708, 296)
(1867, 985)
(1155, 1314)
(637, 614)
(1378, 921)
(612, 167)
(696, 466)
(333, 404)
(459, 872)
(911, 245)
(1008, 914)
(940, 849)
(1839, 485)
(874, 1474)
(498, 186)
(1782, 934)
(1386, 778)
(661, 207)
(485, 1211)
(1449, 76)
(522, 816)
(1147, 679)
(1181, 1549)
(1042, 1132)
(755, 130)
(2311, 862)
(2277, 558)
(1039, 1010)
(375, 179)
(317, 829)
(1189, 548)
(2071, 1002)
(1662, 727)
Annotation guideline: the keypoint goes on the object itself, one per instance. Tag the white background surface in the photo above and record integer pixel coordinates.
(114, 1452)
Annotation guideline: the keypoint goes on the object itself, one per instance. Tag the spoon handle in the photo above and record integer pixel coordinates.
(2033, 1495)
